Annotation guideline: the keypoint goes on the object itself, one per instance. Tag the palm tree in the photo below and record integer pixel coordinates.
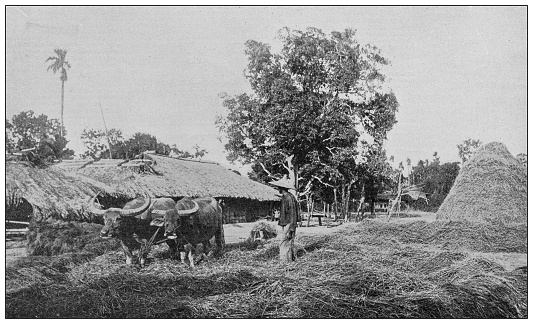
(60, 64)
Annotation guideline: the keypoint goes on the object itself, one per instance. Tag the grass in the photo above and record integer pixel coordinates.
(366, 270)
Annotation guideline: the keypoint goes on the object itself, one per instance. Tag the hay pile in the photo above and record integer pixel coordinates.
(403, 274)
(491, 187)
(54, 237)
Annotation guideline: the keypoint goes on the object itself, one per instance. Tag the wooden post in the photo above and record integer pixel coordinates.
(324, 205)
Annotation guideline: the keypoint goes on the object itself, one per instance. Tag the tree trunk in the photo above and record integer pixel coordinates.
(62, 100)
(310, 213)
(346, 202)
(335, 203)
(343, 214)
(361, 203)
(309, 208)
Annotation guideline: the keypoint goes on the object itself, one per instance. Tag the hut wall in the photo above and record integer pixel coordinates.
(242, 210)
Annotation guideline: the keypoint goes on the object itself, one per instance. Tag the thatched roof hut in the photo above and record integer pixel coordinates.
(491, 187)
(163, 176)
(49, 191)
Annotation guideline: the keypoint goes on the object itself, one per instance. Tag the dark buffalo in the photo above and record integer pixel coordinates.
(195, 221)
(135, 225)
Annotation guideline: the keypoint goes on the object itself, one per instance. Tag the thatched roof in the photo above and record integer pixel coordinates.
(491, 187)
(50, 190)
(171, 177)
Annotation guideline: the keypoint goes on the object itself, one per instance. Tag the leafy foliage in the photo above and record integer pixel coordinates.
(437, 179)
(467, 148)
(318, 101)
(59, 63)
(28, 131)
(97, 146)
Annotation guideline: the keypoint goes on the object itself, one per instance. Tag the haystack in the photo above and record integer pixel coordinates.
(491, 187)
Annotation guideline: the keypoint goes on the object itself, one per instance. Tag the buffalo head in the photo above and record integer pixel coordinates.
(116, 219)
(173, 219)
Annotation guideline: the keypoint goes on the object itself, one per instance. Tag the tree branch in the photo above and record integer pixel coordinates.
(322, 182)
(265, 169)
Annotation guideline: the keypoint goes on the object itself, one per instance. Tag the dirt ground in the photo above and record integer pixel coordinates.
(234, 233)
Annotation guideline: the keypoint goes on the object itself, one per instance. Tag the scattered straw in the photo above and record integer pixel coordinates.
(367, 270)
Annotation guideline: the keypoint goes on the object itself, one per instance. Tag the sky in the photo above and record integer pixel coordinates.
(457, 72)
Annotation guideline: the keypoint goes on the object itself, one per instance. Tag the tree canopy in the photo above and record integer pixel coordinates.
(317, 112)
(27, 131)
(467, 148)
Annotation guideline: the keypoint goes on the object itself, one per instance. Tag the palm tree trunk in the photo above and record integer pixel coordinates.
(62, 100)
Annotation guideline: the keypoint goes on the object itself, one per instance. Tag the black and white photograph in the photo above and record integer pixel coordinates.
(266, 162)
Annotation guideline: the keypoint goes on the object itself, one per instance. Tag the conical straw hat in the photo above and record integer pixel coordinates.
(283, 182)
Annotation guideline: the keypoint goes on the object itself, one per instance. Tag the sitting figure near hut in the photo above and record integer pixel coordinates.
(133, 225)
(195, 221)
(262, 232)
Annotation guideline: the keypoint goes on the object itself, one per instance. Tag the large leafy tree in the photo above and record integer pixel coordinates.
(60, 64)
(311, 107)
(41, 137)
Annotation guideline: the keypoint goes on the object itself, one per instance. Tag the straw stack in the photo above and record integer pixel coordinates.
(491, 188)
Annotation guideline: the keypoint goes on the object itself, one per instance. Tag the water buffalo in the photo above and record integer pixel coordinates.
(196, 221)
(134, 225)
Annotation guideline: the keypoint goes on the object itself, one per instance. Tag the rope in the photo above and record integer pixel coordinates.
(147, 246)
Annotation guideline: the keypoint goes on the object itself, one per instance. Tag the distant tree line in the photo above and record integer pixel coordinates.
(102, 145)
(41, 141)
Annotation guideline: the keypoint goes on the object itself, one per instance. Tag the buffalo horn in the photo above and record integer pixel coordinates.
(93, 208)
(189, 211)
(137, 211)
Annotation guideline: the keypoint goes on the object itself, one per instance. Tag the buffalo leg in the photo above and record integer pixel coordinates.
(127, 253)
(219, 238)
(173, 248)
(189, 252)
(208, 249)
(183, 253)
(143, 252)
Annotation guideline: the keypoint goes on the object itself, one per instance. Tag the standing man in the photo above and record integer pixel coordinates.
(288, 219)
